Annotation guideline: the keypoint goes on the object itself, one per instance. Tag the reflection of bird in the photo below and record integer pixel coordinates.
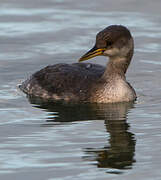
(119, 149)
(89, 82)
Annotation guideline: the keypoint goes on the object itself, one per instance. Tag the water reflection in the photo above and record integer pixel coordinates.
(119, 154)
(120, 149)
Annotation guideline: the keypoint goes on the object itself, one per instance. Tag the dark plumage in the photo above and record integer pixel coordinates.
(89, 82)
(57, 81)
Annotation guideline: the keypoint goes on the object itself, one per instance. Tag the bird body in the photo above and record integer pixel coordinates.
(69, 82)
(86, 82)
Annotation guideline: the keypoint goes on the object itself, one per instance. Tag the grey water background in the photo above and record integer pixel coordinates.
(68, 141)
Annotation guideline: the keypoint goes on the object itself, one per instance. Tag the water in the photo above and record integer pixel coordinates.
(69, 141)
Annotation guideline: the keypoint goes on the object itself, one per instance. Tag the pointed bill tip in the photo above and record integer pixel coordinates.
(92, 53)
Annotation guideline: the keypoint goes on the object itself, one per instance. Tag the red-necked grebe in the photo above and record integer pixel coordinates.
(85, 82)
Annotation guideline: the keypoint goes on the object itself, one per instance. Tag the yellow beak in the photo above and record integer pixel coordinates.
(92, 53)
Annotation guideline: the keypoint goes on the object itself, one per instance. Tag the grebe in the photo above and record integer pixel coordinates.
(85, 82)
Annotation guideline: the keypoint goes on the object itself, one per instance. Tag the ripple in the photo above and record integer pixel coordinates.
(151, 62)
(46, 142)
(21, 29)
(24, 12)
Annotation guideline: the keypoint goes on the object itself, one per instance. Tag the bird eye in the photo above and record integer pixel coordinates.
(109, 43)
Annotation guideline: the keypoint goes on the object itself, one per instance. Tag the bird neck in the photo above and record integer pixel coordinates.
(117, 66)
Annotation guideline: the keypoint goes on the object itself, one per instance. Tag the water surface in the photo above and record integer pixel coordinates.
(40, 140)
